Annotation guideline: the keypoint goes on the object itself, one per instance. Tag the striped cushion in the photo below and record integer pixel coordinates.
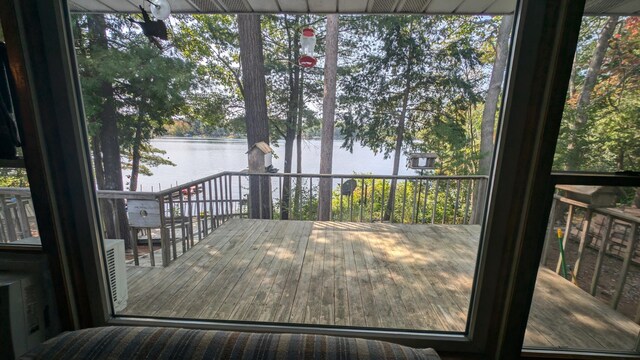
(170, 343)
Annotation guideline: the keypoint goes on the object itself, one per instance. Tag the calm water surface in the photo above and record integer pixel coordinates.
(198, 158)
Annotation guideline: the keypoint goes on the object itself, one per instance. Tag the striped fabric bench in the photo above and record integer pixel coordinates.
(170, 343)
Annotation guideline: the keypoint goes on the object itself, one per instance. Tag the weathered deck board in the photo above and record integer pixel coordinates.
(357, 274)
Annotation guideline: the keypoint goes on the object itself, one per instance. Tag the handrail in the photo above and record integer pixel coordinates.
(192, 210)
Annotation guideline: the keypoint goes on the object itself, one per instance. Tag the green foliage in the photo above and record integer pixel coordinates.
(437, 61)
(611, 135)
(416, 201)
(150, 87)
(11, 177)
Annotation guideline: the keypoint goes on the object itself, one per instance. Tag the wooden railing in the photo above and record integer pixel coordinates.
(624, 250)
(191, 211)
(17, 219)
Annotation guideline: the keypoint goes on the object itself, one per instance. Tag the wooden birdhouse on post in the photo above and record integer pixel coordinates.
(260, 162)
(422, 161)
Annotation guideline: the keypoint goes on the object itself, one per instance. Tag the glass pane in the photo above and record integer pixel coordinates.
(17, 218)
(601, 127)
(586, 295)
(191, 233)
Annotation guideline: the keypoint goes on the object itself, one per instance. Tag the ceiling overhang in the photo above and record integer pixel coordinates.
(476, 7)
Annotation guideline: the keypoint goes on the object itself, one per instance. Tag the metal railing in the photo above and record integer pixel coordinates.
(191, 211)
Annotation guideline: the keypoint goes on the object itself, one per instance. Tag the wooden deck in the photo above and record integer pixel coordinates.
(359, 274)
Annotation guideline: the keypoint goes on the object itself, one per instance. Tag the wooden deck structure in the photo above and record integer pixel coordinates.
(357, 274)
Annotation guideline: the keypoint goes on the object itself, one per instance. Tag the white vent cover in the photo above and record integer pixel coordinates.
(116, 272)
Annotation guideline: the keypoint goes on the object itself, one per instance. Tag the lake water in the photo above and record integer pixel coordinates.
(198, 158)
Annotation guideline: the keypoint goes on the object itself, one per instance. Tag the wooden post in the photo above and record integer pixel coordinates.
(601, 253)
(164, 243)
(22, 217)
(550, 232)
(11, 229)
(566, 236)
(152, 258)
(625, 267)
(583, 238)
(134, 245)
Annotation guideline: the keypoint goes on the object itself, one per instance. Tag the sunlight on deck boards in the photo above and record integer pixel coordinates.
(358, 274)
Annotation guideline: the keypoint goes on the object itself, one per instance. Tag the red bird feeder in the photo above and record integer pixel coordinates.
(307, 44)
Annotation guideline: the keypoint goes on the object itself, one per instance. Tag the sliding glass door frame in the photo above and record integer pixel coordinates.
(543, 43)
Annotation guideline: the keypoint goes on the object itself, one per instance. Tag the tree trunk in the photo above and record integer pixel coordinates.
(97, 161)
(292, 112)
(489, 115)
(388, 213)
(397, 152)
(493, 94)
(108, 137)
(298, 193)
(575, 147)
(135, 155)
(328, 117)
(255, 102)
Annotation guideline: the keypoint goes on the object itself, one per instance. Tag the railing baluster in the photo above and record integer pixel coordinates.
(216, 202)
(446, 199)
(417, 189)
(341, 183)
(625, 266)
(182, 224)
(198, 217)
(240, 194)
(311, 198)
(300, 198)
(260, 195)
(211, 204)
(382, 209)
(223, 213)
(467, 201)
(373, 195)
(190, 205)
(455, 209)
(426, 200)
(165, 250)
(11, 229)
(152, 257)
(230, 191)
(205, 221)
(225, 197)
(173, 227)
(435, 202)
(134, 246)
(363, 196)
(404, 200)
(351, 206)
(281, 199)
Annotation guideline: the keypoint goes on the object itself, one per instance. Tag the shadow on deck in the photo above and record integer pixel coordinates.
(357, 274)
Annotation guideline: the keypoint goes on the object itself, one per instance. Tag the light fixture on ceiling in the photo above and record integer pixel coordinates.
(160, 9)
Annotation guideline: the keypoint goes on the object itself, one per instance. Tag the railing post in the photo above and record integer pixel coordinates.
(550, 232)
(583, 238)
(625, 266)
(601, 252)
(10, 227)
(164, 245)
(22, 217)
(564, 239)
(134, 245)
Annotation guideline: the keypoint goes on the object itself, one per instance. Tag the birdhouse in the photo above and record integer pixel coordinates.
(595, 196)
(261, 158)
(422, 161)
